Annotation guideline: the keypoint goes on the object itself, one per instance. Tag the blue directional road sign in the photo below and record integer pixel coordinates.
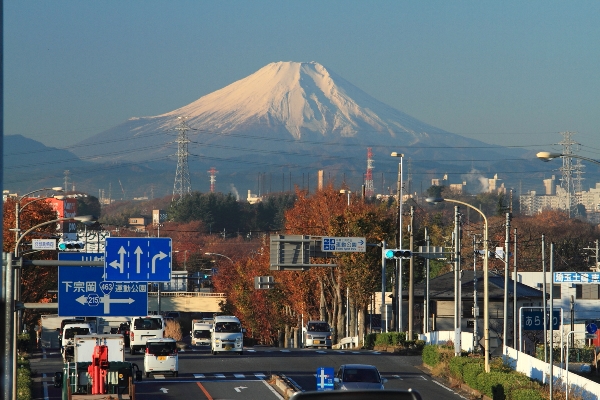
(534, 320)
(344, 244)
(137, 259)
(324, 379)
(82, 291)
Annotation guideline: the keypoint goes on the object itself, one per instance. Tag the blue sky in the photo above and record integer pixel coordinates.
(504, 72)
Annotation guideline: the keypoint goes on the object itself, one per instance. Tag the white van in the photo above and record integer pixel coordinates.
(201, 334)
(144, 328)
(317, 334)
(68, 338)
(161, 356)
(227, 334)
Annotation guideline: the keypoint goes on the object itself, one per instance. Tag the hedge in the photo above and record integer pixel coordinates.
(470, 373)
(23, 379)
(526, 394)
(431, 355)
(456, 365)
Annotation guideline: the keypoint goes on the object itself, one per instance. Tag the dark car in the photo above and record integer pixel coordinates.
(124, 330)
(358, 376)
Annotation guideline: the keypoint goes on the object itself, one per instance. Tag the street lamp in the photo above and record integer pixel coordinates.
(82, 218)
(486, 311)
(17, 284)
(547, 156)
(220, 255)
(344, 191)
(399, 240)
(18, 207)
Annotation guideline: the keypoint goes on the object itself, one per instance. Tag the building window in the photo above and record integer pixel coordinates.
(587, 292)
(556, 291)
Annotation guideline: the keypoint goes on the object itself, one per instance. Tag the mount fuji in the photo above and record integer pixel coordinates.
(286, 118)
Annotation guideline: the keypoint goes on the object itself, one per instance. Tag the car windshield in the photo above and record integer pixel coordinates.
(202, 334)
(361, 375)
(148, 324)
(228, 327)
(71, 332)
(161, 348)
(318, 327)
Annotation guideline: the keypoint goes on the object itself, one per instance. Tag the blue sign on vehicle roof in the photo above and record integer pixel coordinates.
(138, 259)
(83, 292)
(324, 378)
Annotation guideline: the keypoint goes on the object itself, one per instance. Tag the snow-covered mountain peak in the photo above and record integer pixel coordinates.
(300, 96)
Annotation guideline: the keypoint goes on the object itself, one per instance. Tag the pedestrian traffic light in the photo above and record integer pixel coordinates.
(397, 253)
(71, 245)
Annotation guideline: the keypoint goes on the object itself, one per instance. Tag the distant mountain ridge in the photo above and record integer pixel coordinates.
(287, 117)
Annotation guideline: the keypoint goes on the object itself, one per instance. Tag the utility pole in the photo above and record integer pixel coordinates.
(457, 283)
(596, 251)
(411, 277)
(506, 261)
(515, 298)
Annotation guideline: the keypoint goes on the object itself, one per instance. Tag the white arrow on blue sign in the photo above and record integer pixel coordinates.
(344, 244)
(83, 292)
(137, 259)
(324, 379)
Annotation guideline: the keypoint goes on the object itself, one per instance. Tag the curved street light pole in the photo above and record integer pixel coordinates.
(547, 156)
(18, 207)
(220, 255)
(486, 311)
(17, 284)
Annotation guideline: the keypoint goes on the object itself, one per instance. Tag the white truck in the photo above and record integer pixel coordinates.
(144, 328)
(84, 346)
(227, 335)
(201, 334)
(69, 332)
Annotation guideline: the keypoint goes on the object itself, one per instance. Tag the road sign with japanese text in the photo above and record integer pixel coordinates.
(83, 292)
(534, 320)
(344, 244)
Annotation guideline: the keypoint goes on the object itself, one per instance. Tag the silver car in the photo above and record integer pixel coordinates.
(358, 376)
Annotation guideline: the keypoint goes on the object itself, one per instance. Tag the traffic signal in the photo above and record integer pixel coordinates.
(397, 253)
(71, 245)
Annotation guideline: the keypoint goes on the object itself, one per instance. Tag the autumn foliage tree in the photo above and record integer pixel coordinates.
(36, 282)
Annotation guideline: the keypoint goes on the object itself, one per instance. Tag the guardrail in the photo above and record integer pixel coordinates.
(187, 294)
(348, 342)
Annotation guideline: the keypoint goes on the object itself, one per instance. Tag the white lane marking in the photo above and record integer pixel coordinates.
(45, 383)
(199, 376)
(448, 389)
(321, 352)
(272, 389)
(241, 376)
(220, 376)
(159, 377)
(260, 375)
(285, 351)
(43, 353)
(251, 351)
(356, 352)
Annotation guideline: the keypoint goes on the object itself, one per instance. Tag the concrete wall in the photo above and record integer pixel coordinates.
(186, 302)
(540, 371)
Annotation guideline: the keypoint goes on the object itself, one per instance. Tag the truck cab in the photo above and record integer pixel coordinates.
(69, 332)
(227, 335)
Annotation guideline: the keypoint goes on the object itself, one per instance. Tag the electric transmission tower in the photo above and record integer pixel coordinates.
(571, 174)
(369, 189)
(182, 184)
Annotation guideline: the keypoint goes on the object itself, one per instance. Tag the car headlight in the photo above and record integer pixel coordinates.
(329, 337)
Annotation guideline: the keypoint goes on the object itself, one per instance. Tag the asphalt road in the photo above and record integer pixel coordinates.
(231, 376)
